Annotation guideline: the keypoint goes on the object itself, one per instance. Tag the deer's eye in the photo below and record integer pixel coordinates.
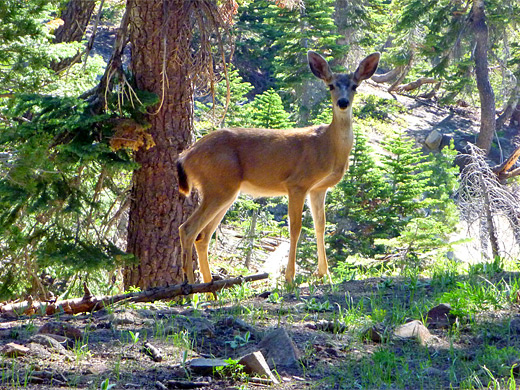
(331, 87)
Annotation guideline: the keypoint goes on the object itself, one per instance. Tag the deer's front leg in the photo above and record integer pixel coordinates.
(296, 201)
(318, 215)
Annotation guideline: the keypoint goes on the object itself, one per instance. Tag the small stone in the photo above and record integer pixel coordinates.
(61, 329)
(39, 351)
(279, 349)
(203, 366)
(373, 334)
(14, 350)
(49, 342)
(331, 326)
(433, 141)
(124, 318)
(255, 363)
(196, 326)
(65, 341)
(440, 317)
(414, 330)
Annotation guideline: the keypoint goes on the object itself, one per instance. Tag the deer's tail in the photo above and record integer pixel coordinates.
(184, 185)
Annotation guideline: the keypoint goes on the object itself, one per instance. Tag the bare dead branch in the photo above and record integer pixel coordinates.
(502, 170)
(89, 303)
(153, 352)
(387, 77)
(403, 74)
(416, 84)
(484, 200)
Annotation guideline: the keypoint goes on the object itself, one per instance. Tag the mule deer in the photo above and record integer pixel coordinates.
(269, 162)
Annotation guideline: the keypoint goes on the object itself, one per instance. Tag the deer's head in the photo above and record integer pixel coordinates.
(342, 85)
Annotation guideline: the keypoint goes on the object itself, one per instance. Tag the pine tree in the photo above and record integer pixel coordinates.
(267, 112)
(405, 172)
(61, 185)
(357, 202)
(421, 212)
(303, 29)
(255, 50)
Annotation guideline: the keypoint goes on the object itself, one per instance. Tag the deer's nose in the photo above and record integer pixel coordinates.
(343, 103)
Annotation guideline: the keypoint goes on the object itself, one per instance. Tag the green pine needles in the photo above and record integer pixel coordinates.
(401, 203)
(60, 187)
(267, 112)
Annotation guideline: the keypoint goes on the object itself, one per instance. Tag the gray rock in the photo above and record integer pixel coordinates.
(124, 318)
(414, 330)
(196, 326)
(61, 329)
(14, 350)
(50, 343)
(433, 141)
(279, 349)
(255, 363)
(203, 366)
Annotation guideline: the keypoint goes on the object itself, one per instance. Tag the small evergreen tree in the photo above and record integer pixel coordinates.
(406, 173)
(267, 112)
(403, 204)
(210, 115)
(61, 187)
(304, 28)
(358, 201)
(428, 214)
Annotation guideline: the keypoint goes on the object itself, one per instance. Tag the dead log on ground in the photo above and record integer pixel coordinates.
(416, 84)
(387, 77)
(89, 303)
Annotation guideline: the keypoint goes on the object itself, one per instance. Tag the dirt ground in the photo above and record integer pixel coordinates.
(331, 357)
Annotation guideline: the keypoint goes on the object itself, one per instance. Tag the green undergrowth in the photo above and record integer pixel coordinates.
(478, 350)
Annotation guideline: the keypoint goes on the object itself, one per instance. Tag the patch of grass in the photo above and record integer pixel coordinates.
(376, 107)
(470, 297)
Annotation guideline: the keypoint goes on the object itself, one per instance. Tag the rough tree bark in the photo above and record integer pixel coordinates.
(487, 96)
(157, 29)
(76, 17)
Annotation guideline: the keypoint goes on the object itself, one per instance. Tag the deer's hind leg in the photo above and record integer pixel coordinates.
(203, 239)
(209, 213)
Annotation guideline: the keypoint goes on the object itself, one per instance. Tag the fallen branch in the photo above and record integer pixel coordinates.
(90, 303)
(416, 84)
(502, 170)
(174, 384)
(153, 352)
(388, 76)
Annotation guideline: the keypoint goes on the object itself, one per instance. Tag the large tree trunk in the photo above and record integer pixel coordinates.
(487, 96)
(76, 17)
(157, 30)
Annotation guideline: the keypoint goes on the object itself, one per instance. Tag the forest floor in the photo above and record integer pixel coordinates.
(344, 336)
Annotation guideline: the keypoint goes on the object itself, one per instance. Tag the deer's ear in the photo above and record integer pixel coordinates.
(367, 67)
(319, 66)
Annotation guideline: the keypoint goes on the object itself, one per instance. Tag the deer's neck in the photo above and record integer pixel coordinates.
(341, 131)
